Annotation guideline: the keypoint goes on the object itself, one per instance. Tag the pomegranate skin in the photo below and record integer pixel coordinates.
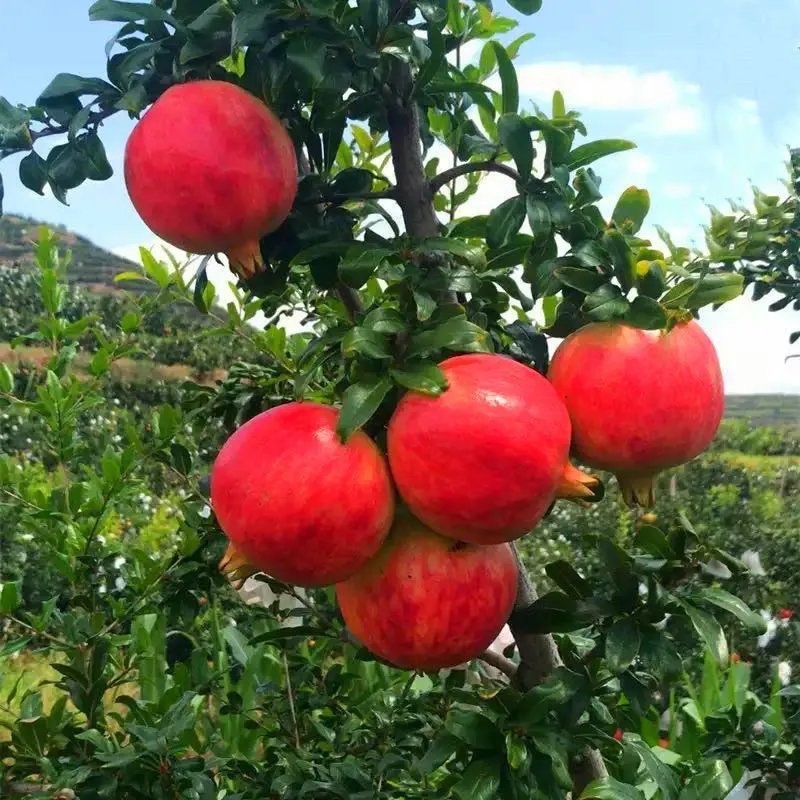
(483, 461)
(426, 602)
(210, 169)
(640, 401)
(295, 502)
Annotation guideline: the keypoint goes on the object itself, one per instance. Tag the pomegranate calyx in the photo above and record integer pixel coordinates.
(236, 568)
(637, 490)
(245, 260)
(579, 487)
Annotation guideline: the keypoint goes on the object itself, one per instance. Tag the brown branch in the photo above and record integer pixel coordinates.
(290, 693)
(448, 175)
(499, 661)
(95, 118)
(539, 654)
(350, 298)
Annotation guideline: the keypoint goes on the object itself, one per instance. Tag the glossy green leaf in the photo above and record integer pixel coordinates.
(710, 631)
(474, 728)
(360, 401)
(564, 575)
(505, 221)
(508, 79)
(605, 303)
(609, 788)
(421, 376)
(621, 255)
(480, 781)
(646, 313)
(67, 84)
(464, 252)
(656, 769)
(457, 334)
(95, 162)
(368, 343)
(711, 289)
(526, 6)
(584, 280)
(585, 154)
(631, 209)
(622, 644)
(515, 136)
(115, 11)
(443, 747)
(712, 783)
(10, 597)
(732, 604)
(33, 172)
(539, 217)
(359, 264)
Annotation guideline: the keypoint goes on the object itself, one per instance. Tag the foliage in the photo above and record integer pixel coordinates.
(233, 702)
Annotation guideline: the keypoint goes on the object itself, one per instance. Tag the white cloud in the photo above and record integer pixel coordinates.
(665, 103)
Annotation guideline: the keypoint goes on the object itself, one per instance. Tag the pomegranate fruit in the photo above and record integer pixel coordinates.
(427, 602)
(210, 169)
(640, 401)
(483, 461)
(295, 502)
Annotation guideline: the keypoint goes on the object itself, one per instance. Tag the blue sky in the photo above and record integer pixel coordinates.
(703, 87)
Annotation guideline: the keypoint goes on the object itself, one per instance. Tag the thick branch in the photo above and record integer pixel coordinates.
(499, 661)
(350, 298)
(473, 166)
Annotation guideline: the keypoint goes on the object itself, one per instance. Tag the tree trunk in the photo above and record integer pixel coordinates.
(538, 654)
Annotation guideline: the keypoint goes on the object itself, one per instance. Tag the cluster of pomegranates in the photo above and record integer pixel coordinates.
(429, 580)
(429, 583)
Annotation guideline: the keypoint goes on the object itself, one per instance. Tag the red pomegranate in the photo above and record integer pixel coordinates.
(295, 502)
(483, 461)
(426, 602)
(640, 401)
(211, 169)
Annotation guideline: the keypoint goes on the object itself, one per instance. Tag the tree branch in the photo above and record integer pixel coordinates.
(499, 661)
(448, 175)
(95, 118)
(350, 298)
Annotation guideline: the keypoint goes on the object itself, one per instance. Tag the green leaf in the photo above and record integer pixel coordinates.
(712, 783)
(585, 154)
(367, 342)
(153, 268)
(553, 694)
(515, 136)
(421, 376)
(622, 645)
(564, 575)
(443, 747)
(553, 612)
(6, 379)
(710, 631)
(10, 596)
(66, 166)
(539, 217)
(14, 131)
(359, 264)
(605, 303)
(67, 84)
(385, 320)
(584, 280)
(732, 604)
(238, 644)
(631, 209)
(466, 253)
(646, 313)
(280, 635)
(505, 221)
(609, 788)
(360, 401)
(711, 289)
(115, 11)
(33, 172)
(526, 7)
(457, 334)
(656, 769)
(652, 540)
(650, 280)
(474, 728)
(618, 248)
(508, 79)
(480, 781)
(95, 161)
(307, 55)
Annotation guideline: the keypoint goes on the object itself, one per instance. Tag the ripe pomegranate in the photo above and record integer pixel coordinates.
(426, 602)
(211, 169)
(295, 502)
(640, 401)
(483, 461)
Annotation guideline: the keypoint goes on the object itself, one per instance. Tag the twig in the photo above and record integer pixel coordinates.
(448, 175)
(499, 661)
(290, 692)
(350, 298)
(43, 634)
(95, 118)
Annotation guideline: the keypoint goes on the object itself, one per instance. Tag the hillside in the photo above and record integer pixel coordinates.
(779, 410)
(92, 266)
